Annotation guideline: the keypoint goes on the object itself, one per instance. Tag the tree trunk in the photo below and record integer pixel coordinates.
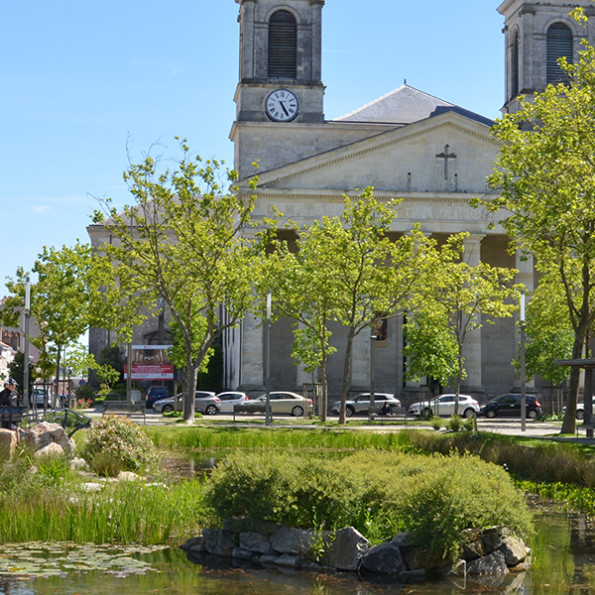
(324, 395)
(56, 394)
(569, 422)
(189, 388)
(346, 376)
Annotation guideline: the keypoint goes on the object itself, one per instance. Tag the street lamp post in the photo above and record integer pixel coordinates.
(523, 388)
(26, 401)
(268, 362)
(372, 375)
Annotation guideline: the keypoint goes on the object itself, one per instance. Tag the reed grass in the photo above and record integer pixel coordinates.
(121, 512)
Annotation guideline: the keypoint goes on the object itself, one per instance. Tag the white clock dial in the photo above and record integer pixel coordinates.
(282, 105)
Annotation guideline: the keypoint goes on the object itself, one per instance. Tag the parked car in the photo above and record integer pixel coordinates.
(204, 402)
(361, 404)
(156, 393)
(509, 405)
(281, 402)
(445, 405)
(39, 395)
(230, 399)
(580, 409)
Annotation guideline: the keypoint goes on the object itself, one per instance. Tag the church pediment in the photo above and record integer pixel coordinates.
(449, 152)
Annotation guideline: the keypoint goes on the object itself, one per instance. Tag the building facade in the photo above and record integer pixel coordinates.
(406, 144)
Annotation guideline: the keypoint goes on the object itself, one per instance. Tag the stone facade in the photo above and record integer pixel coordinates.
(428, 152)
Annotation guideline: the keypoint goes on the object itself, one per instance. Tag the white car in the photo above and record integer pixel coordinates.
(230, 399)
(445, 405)
(204, 402)
(361, 404)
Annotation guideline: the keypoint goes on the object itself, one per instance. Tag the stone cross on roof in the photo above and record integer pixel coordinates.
(446, 156)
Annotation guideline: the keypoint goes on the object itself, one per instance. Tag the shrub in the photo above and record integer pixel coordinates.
(435, 498)
(455, 423)
(113, 444)
(436, 422)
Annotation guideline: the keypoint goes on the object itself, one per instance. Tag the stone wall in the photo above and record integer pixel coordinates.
(491, 552)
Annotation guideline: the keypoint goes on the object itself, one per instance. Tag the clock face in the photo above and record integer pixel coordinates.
(282, 105)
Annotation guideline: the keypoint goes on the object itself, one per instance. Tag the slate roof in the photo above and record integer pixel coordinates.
(406, 105)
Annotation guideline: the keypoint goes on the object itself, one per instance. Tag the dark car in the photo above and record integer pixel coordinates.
(156, 393)
(509, 405)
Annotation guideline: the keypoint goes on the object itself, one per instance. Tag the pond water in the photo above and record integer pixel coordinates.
(563, 562)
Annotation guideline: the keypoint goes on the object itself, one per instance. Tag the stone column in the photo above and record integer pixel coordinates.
(360, 361)
(472, 346)
(302, 377)
(316, 73)
(252, 355)
(247, 40)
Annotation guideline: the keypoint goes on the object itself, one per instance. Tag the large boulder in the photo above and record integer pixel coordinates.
(346, 548)
(46, 433)
(8, 443)
(287, 540)
(384, 559)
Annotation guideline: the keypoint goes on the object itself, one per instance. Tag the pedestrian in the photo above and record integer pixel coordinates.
(9, 399)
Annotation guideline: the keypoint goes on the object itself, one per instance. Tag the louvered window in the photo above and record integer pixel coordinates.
(514, 70)
(559, 43)
(282, 45)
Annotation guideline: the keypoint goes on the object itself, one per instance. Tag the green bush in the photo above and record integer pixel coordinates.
(380, 493)
(113, 444)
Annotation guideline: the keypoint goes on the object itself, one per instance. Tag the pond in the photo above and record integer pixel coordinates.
(563, 561)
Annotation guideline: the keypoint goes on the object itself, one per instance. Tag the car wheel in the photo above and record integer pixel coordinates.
(297, 411)
(490, 413)
(211, 410)
(167, 408)
(427, 413)
(469, 413)
(531, 414)
(580, 415)
(349, 411)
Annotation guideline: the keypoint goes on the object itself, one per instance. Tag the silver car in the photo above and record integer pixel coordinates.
(445, 405)
(204, 402)
(230, 399)
(280, 402)
(361, 404)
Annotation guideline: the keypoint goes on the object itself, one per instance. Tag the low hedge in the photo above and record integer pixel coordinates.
(380, 493)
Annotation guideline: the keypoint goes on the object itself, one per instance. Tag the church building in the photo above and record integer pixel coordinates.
(407, 144)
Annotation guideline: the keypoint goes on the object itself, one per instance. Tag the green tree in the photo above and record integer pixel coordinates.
(61, 298)
(547, 190)
(112, 355)
(549, 332)
(185, 239)
(457, 299)
(368, 272)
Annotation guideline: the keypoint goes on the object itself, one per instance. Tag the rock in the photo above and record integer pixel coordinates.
(194, 543)
(514, 550)
(492, 539)
(417, 557)
(288, 561)
(91, 486)
(384, 559)
(8, 444)
(403, 540)
(45, 433)
(240, 553)
(346, 549)
(218, 542)
(493, 565)
(128, 476)
(287, 540)
(474, 546)
(78, 464)
(51, 451)
(255, 542)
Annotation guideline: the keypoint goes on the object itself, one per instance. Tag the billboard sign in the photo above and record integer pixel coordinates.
(150, 362)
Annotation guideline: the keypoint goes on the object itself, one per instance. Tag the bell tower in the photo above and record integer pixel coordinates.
(537, 34)
(280, 89)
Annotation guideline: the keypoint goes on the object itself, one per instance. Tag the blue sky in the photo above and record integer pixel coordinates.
(84, 82)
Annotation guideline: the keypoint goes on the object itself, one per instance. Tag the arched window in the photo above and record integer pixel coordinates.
(559, 43)
(282, 45)
(514, 67)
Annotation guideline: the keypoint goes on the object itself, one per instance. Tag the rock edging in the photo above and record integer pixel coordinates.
(492, 552)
